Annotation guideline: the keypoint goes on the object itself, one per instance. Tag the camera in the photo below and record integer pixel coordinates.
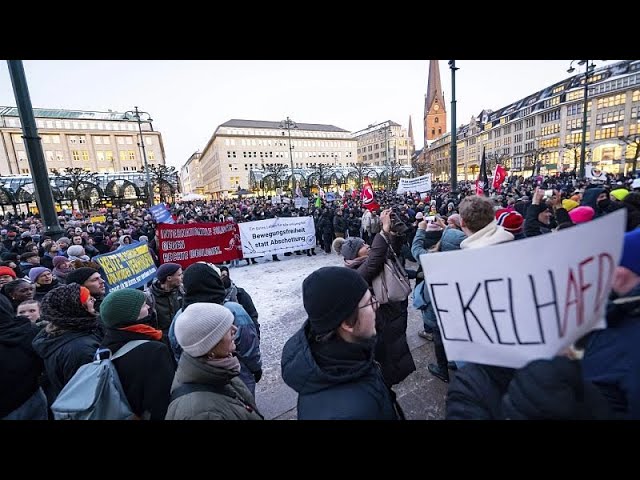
(397, 225)
(548, 193)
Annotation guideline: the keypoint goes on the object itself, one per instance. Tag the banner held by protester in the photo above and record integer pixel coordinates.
(277, 235)
(503, 306)
(161, 214)
(198, 242)
(417, 184)
(130, 266)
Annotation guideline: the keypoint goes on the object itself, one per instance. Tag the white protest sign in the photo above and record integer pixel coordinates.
(594, 173)
(276, 199)
(418, 184)
(286, 200)
(512, 303)
(277, 235)
(301, 202)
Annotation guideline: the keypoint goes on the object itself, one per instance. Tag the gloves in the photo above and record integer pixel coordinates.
(257, 375)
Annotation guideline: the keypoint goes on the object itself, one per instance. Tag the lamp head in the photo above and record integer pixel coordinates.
(571, 70)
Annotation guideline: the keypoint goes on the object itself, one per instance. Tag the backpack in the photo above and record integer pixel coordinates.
(95, 392)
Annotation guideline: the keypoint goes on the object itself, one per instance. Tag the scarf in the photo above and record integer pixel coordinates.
(62, 273)
(356, 262)
(231, 363)
(338, 357)
(59, 324)
(144, 330)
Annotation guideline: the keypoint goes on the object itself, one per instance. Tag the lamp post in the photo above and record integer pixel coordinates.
(289, 124)
(387, 130)
(137, 115)
(454, 137)
(589, 68)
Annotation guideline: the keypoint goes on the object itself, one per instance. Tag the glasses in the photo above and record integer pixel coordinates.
(374, 304)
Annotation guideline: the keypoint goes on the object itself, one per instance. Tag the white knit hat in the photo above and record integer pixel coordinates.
(201, 326)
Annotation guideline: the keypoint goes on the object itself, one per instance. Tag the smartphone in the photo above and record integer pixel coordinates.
(548, 193)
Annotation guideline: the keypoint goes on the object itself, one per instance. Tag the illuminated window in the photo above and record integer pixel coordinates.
(85, 155)
(76, 155)
(613, 100)
(152, 156)
(132, 155)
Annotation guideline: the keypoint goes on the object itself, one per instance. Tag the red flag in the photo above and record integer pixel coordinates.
(498, 177)
(368, 197)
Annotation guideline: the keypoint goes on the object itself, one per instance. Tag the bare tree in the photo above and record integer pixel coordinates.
(361, 170)
(166, 179)
(321, 170)
(78, 181)
(632, 141)
(276, 170)
(393, 173)
(418, 165)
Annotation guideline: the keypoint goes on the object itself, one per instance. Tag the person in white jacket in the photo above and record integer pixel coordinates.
(478, 222)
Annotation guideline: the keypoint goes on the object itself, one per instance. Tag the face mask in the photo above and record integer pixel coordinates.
(604, 203)
(226, 281)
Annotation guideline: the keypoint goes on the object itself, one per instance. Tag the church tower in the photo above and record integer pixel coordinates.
(412, 143)
(435, 113)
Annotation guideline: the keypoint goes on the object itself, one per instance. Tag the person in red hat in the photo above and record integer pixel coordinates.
(511, 221)
(6, 275)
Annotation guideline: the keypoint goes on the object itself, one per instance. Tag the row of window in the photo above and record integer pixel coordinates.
(82, 139)
(76, 125)
(274, 132)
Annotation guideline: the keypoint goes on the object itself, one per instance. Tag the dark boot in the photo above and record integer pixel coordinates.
(436, 371)
(313, 251)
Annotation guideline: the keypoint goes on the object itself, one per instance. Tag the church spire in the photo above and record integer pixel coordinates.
(434, 89)
(410, 128)
(435, 116)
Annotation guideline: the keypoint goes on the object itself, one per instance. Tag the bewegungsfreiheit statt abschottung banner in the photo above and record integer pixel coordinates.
(277, 235)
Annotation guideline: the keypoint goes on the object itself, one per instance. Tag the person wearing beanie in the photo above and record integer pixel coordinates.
(76, 252)
(512, 222)
(569, 204)
(167, 294)
(43, 280)
(350, 248)
(392, 350)
(29, 260)
(207, 385)
(90, 278)
(619, 194)
(61, 268)
(581, 214)
(538, 219)
(239, 295)
(63, 245)
(330, 361)
(6, 275)
(146, 372)
(71, 336)
(203, 284)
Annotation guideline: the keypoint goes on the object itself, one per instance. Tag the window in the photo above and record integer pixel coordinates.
(576, 137)
(132, 155)
(550, 142)
(152, 155)
(97, 140)
(120, 140)
(550, 116)
(436, 120)
(529, 134)
(610, 132)
(123, 155)
(82, 139)
(575, 95)
(17, 138)
(148, 140)
(46, 139)
(129, 141)
(610, 117)
(517, 126)
(100, 155)
(85, 155)
(55, 138)
(50, 156)
(108, 155)
(611, 101)
(76, 155)
(550, 129)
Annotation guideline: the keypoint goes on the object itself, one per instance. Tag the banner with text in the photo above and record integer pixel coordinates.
(128, 267)
(277, 235)
(198, 242)
(301, 202)
(504, 306)
(418, 184)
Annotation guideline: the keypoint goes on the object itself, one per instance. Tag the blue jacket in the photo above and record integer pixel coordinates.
(357, 393)
(247, 344)
(612, 358)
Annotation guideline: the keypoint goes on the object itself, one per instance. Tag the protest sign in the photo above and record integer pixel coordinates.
(286, 200)
(161, 214)
(330, 196)
(512, 303)
(98, 219)
(277, 235)
(418, 184)
(130, 266)
(301, 202)
(276, 199)
(198, 242)
(594, 173)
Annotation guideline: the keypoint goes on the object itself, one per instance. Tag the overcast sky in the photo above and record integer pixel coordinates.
(189, 99)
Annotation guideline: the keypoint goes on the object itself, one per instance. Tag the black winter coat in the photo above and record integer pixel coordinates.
(392, 349)
(146, 372)
(64, 353)
(21, 365)
(166, 304)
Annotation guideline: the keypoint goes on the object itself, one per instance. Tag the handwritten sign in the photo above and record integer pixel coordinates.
(418, 184)
(127, 267)
(277, 235)
(523, 300)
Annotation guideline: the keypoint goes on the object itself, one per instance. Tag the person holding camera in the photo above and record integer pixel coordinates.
(392, 350)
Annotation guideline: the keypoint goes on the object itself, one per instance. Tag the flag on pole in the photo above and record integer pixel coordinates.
(318, 202)
(482, 183)
(368, 197)
(498, 177)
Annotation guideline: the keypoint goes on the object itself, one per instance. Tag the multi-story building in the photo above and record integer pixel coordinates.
(239, 146)
(544, 130)
(101, 142)
(385, 140)
(191, 175)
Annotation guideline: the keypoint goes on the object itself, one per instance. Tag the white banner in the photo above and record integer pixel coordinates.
(512, 303)
(276, 199)
(594, 173)
(418, 184)
(301, 202)
(277, 235)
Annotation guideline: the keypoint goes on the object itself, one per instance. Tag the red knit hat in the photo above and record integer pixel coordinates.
(7, 271)
(84, 295)
(511, 221)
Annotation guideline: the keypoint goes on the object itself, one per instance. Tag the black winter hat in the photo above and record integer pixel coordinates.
(166, 270)
(330, 295)
(80, 275)
(202, 283)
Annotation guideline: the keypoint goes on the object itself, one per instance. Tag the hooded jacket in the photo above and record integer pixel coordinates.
(350, 389)
(166, 303)
(21, 365)
(491, 234)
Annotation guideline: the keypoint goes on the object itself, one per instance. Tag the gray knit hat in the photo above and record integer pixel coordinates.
(201, 326)
(348, 248)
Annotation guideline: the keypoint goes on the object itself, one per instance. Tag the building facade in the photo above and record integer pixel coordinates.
(239, 146)
(191, 178)
(435, 113)
(384, 140)
(543, 132)
(102, 142)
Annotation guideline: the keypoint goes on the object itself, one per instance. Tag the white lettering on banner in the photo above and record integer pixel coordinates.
(418, 184)
(277, 235)
(502, 306)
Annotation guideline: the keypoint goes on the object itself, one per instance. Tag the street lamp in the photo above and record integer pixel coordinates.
(454, 138)
(289, 124)
(589, 68)
(138, 115)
